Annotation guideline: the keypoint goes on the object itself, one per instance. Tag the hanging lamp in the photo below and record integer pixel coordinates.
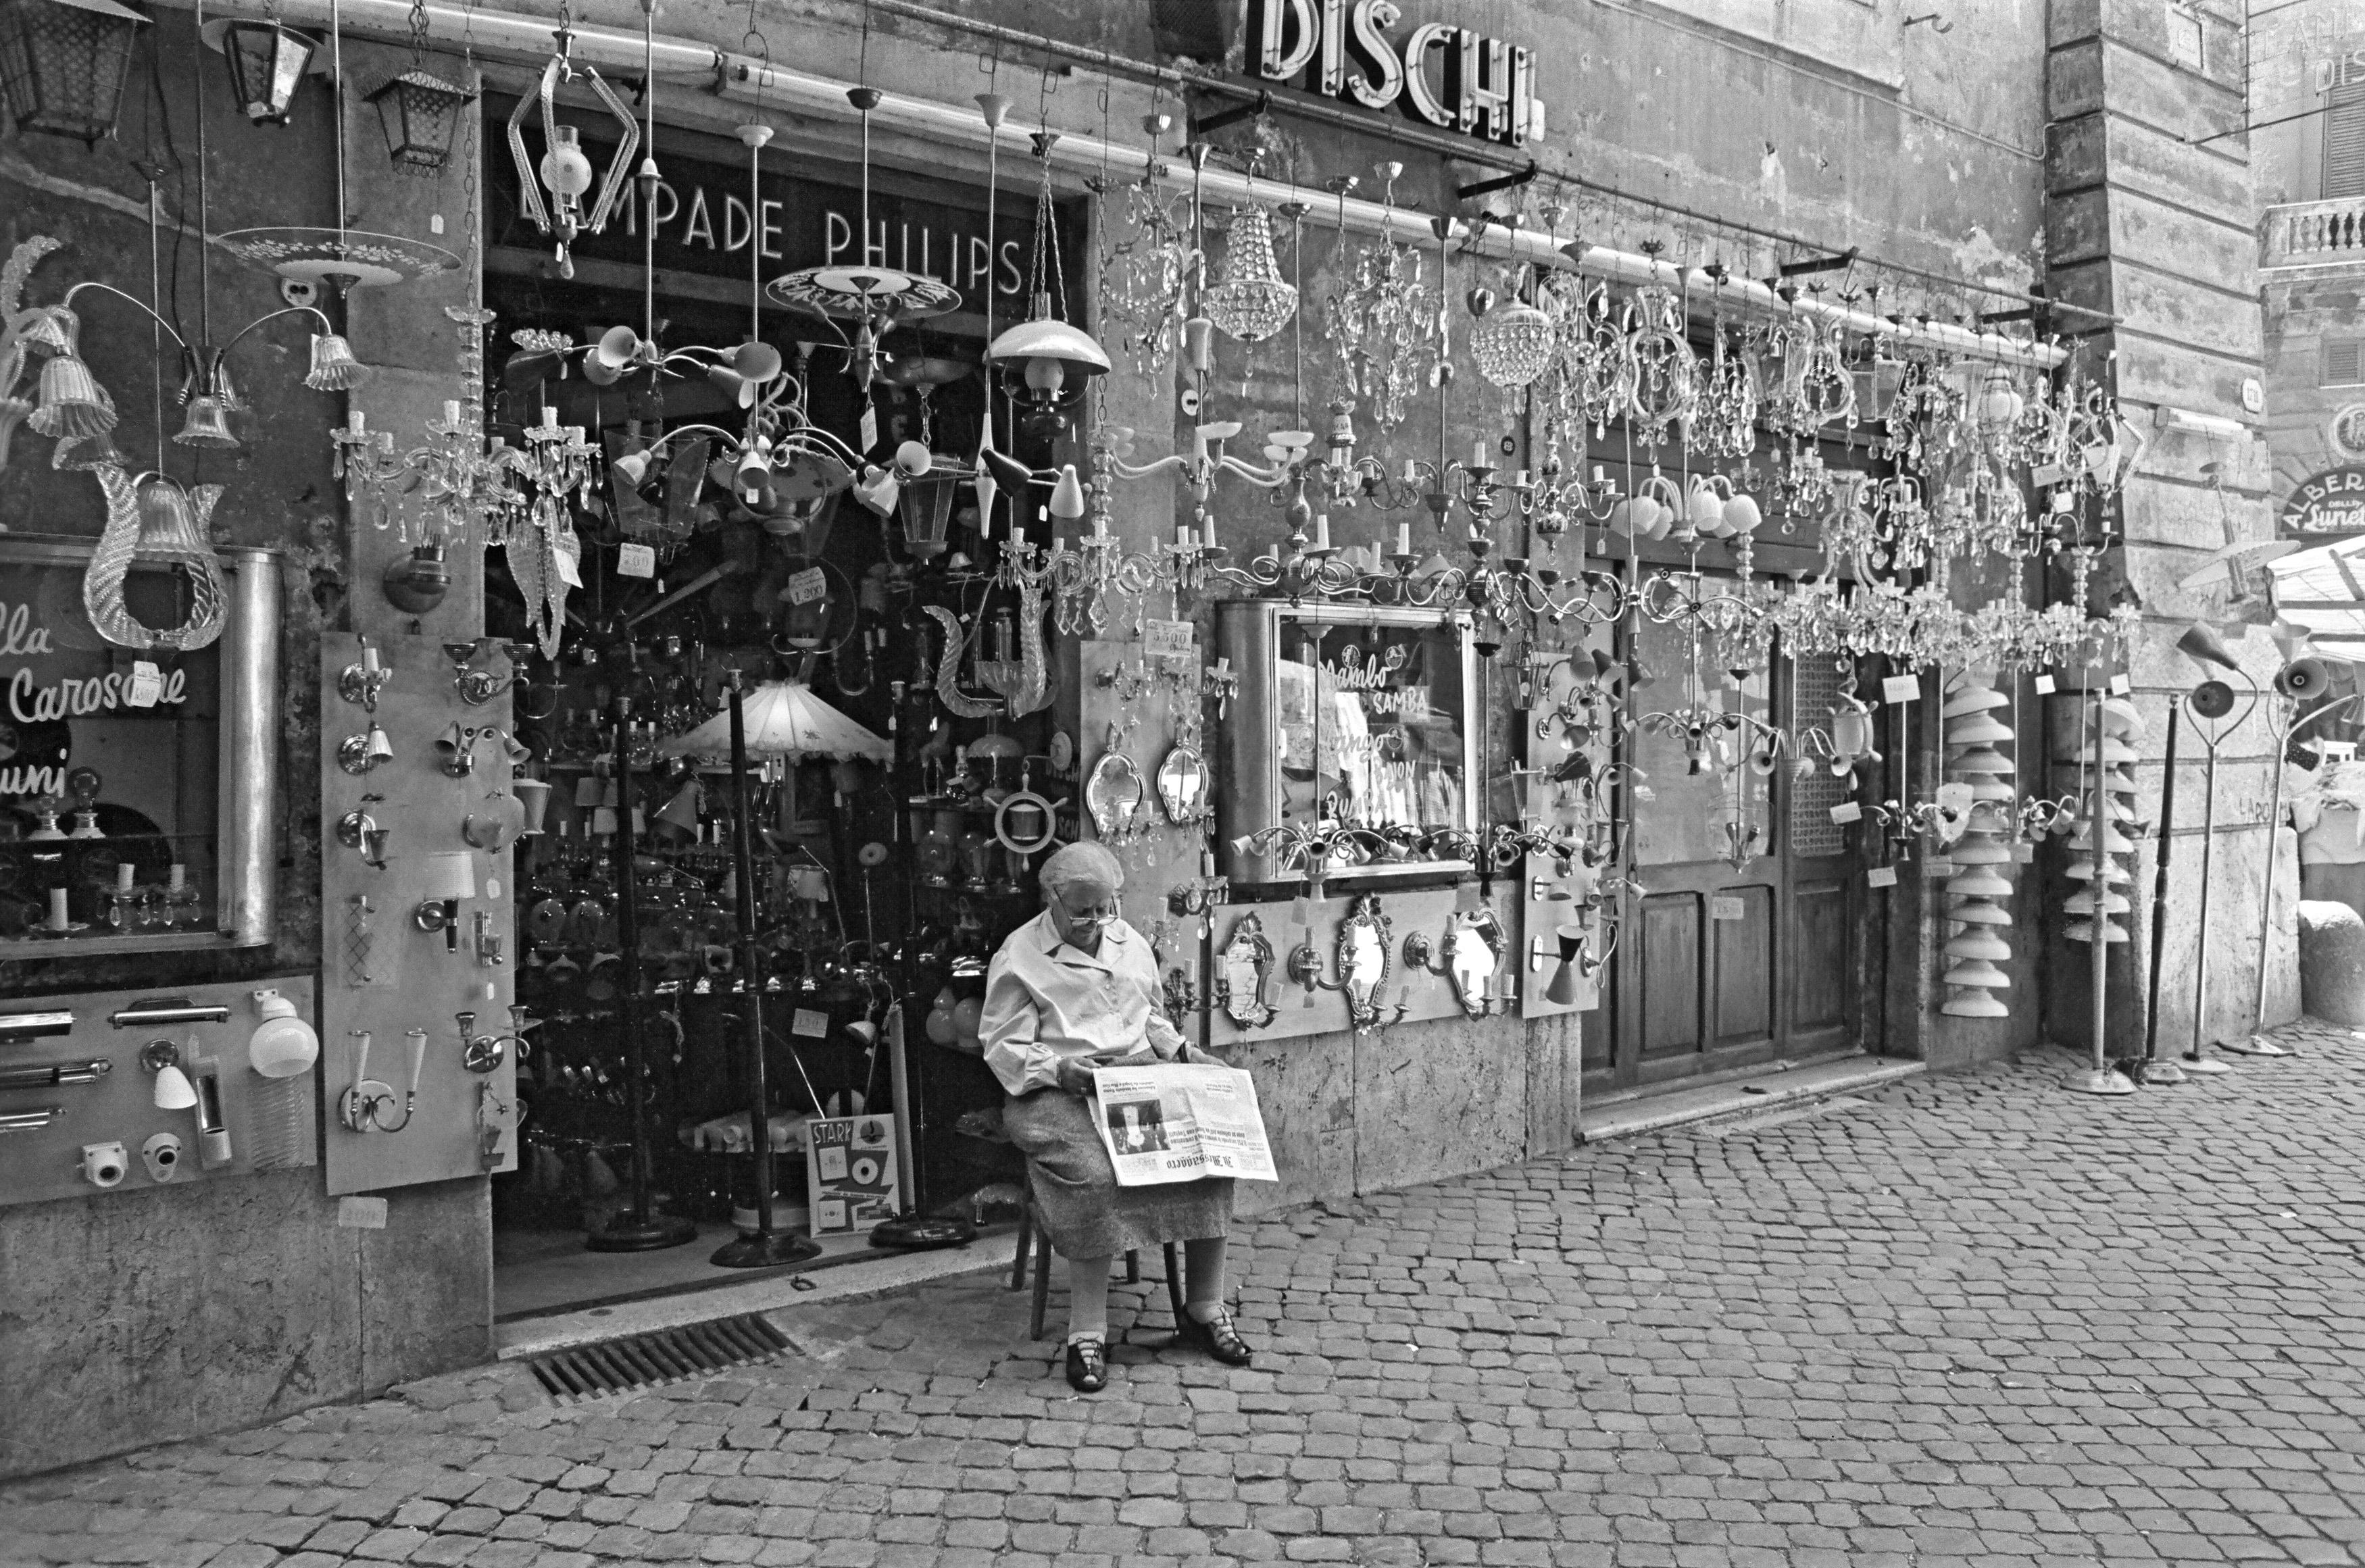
(419, 113)
(1043, 361)
(1253, 301)
(62, 64)
(267, 62)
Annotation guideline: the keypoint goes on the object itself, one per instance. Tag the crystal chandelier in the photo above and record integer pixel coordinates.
(1512, 341)
(1254, 301)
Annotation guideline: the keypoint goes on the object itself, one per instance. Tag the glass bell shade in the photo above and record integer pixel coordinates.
(206, 424)
(420, 114)
(334, 368)
(169, 528)
(71, 403)
(266, 63)
(1254, 301)
(1512, 344)
(63, 63)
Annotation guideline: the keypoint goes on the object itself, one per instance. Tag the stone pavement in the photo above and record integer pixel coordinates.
(1966, 1320)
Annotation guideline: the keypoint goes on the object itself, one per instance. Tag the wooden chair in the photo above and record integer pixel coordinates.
(1030, 1236)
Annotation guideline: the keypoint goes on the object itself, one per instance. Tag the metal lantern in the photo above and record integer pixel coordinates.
(420, 114)
(63, 63)
(267, 62)
(925, 505)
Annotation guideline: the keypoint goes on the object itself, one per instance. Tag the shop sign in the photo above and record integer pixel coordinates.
(2328, 505)
(1439, 75)
(704, 223)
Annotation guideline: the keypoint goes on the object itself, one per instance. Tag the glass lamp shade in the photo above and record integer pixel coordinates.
(450, 875)
(266, 63)
(419, 113)
(1047, 352)
(170, 530)
(63, 63)
(205, 425)
(334, 368)
(1254, 301)
(71, 403)
(925, 505)
(1512, 344)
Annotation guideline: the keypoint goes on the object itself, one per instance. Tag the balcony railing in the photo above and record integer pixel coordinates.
(2313, 234)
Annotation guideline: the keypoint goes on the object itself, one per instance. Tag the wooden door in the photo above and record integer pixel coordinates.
(1744, 944)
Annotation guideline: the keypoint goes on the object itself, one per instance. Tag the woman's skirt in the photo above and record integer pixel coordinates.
(1077, 1200)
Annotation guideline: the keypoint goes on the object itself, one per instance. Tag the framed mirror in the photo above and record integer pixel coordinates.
(1241, 968)
(1363, 958)
(1474, 955)
(1182, 786)
(1114, 793)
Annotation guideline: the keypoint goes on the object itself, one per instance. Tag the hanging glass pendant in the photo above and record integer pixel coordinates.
(266, 61)
(1254, 301)
(63, 63)
(1512, 342)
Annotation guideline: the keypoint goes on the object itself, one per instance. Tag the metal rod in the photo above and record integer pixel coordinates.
(1255, 108)
(751, 958)
(2100, 921)
(1829, 263)
(2201, 942)
(2257, 1044)
(1500, 182)
(2156, 1070)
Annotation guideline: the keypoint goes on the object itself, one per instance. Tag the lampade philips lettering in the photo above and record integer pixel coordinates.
(1482, 87)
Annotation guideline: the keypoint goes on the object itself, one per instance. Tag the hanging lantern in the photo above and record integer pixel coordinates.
(924, 500)
(63, 63)
(266, 63)
(1254, 301)
(1512, 344)
(419, 113)
(1045, 360)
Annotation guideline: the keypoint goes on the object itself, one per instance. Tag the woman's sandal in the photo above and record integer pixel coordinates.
(1087, 1365)
(1218, 1339)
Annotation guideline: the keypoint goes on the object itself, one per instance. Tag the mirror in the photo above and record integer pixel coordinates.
(1182, 786)
(1364, 959)
(1112, 794)
(1240, 971)
(1473, 953)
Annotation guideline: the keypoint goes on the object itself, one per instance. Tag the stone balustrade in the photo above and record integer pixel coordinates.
(2314, 234)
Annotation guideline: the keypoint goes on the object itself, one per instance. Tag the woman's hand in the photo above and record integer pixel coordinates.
(1076, 1075)
(1197, 1057)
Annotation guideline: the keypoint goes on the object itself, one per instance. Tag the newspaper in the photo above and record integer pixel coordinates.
(1175, 1122)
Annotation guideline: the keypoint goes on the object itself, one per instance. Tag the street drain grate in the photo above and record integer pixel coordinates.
(665, 1355)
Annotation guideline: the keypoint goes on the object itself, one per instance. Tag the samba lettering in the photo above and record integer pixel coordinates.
(1482, 86)
(72, 698)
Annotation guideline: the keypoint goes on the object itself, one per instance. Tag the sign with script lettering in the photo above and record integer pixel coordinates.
(2330, 505)
(1439, 75)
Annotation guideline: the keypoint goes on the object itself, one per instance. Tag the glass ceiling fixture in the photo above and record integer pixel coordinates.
(876, 298)
(1044, 362)
(1253, 301)
(336, 258)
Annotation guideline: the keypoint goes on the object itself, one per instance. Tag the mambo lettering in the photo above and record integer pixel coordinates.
(31, 704)
(1481, 86)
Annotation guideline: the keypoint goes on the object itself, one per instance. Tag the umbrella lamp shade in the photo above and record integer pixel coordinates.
(784, 718)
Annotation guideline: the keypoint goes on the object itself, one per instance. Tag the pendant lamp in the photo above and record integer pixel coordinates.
(1253, 301)
(267, 62)
(63, 63)
(419, 113)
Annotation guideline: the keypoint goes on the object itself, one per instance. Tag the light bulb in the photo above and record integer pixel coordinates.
(1046, 375)
(564, 168)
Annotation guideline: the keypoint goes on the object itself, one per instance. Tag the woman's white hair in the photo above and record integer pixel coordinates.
(1081, 862)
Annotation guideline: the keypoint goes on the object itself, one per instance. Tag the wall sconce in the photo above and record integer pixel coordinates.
(173, 1090)
(358, 753)
(63, 63)
(451, 880)
(1566, 990)
(282, 1045)
(361, 681)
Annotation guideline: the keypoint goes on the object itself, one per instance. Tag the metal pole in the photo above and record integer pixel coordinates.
(639, 1228)
(2154, 1070)
(2096, 1077)
(2258, 1043)
(2196, 1059)
(764, 1247)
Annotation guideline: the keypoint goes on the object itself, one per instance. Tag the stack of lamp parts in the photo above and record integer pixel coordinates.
(1983, 856)
(2115, 793)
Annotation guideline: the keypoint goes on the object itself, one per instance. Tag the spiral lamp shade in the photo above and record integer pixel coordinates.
(63, 63)
(1512, 344)
(1254, 301)
(1974, 896)
(2100, 906)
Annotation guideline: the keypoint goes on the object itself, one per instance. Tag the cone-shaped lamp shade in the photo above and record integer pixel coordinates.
(2201, 643)
(173, 1090)
(784, 718)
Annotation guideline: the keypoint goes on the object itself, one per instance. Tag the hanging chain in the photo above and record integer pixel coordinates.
(419, 34)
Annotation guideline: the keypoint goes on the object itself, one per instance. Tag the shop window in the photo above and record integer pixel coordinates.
(2344, 143)
(2341, 363)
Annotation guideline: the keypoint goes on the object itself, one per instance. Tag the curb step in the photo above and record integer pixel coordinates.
(1742, 1097)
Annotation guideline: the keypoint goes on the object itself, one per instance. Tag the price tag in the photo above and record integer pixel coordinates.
(636, 561)
(1936, 869)
(1723, 907)
(2121, 686)
(1901, 689)
(147, 685)
(2048, 474)
(870, 426)
(810, 1022)
(807, 585)
(1846, 812)
(2045, 686)
(362, 1213)
(1881, 876)
(1168, 640)
(565, 561)
(2023, 853)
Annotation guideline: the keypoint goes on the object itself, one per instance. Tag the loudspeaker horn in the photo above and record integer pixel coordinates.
(2302, 679)
(2212, 698)
(2202, 644)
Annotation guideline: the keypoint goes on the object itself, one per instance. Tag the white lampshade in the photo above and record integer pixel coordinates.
(783, 718)
(450, 874)
(173, 1090)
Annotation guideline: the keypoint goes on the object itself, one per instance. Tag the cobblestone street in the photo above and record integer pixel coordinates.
(1967, 1319)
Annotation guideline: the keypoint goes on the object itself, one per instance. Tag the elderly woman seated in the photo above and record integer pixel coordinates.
(1074, 989)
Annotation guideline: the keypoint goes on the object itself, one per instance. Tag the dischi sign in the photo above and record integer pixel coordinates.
(1443, 75)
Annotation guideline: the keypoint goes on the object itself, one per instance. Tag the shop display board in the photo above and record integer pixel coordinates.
(79, 1082)
(1550, 888)
(1400, 957)
(381, 973)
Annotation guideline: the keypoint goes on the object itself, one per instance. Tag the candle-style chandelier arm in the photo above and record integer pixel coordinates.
(142, 306)
(326, 331)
